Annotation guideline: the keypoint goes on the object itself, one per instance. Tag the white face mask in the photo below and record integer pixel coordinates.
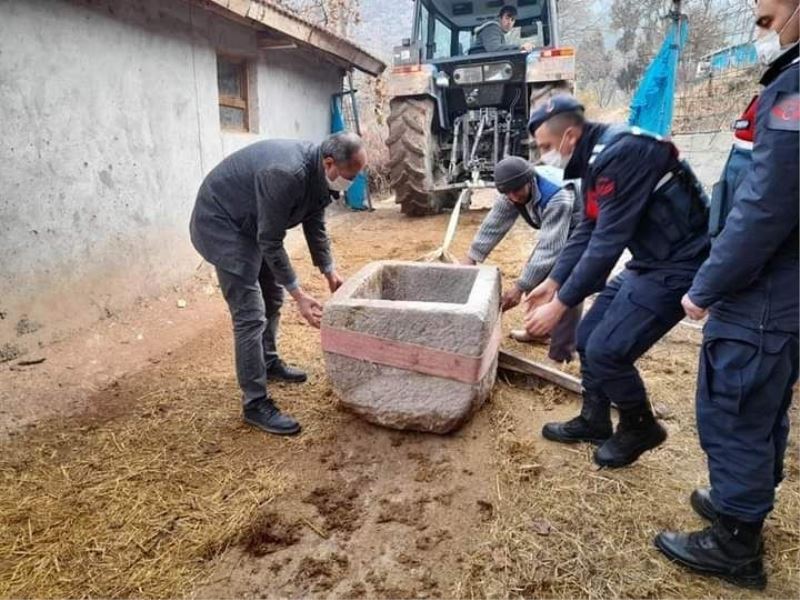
(554, 158)
(340, 184)
(768, 46)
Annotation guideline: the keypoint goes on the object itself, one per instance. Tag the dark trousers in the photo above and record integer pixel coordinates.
(563, 339)
(744, 391)
(255, 311)
(633, 312)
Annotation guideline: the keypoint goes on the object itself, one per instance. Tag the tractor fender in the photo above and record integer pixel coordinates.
(411, 80)
(417, 81)
(439, 105)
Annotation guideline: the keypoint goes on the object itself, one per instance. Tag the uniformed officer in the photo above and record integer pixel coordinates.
(639, 196)
(243, 210)
(749, 358)
(554, 209)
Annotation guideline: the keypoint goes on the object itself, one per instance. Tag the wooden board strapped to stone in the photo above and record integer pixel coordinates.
(516, 364)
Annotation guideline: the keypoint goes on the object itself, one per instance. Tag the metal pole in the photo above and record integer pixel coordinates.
(353, 101)
(676, 47)
(478, 137)
(465, 141)
(496, 140)
(555, 32)
(415, 31)
(507, 142)
(454, 150)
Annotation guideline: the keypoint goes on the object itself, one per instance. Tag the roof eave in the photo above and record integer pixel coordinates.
(303, 32)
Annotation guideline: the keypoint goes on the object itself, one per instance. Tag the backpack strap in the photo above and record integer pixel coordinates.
(616, 132)
(547, 189)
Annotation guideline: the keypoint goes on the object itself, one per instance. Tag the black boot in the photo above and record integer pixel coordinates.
(267, 417)
(280, 371)
(729, 548)
(593, 425)
(636, 433)
(702, 505)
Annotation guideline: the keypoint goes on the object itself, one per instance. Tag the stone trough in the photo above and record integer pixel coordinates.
(414, 345)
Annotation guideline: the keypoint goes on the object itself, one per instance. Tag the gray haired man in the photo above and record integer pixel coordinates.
(244, 208)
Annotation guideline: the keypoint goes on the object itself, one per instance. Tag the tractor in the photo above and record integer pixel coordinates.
(455, 109)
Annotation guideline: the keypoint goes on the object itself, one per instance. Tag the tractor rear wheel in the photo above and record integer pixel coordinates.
(413, 155)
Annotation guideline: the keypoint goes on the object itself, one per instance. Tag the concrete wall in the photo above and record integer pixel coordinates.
(110, 121)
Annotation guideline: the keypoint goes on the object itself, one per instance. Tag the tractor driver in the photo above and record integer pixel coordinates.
(491, 36)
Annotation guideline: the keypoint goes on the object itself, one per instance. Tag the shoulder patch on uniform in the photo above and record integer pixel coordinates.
(785, 114)
(605, 188)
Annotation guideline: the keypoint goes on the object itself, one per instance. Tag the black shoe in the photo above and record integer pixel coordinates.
(729, 549)
(702, 505)
(637, 432)
(593, 425)
(266, 416)
(280, 371)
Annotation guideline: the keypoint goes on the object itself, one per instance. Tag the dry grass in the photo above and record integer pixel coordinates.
(562, 528)
(577, 532)
(140, 501)
(566, 529)
(132, 506)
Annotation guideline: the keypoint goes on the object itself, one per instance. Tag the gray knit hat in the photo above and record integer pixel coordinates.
(512, 173)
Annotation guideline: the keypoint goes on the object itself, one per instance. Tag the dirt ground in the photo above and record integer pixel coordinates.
(125, 470)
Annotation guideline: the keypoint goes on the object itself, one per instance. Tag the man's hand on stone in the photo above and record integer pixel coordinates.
(467, 262)
(541, 294)
(511, 298)
(335, 281)
(542, 320)
(309, 307)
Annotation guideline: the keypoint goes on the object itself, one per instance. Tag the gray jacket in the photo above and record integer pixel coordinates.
(555, 221)
(248, 202)
(491, 38)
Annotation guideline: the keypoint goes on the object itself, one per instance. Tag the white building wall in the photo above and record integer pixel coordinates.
(110, 121)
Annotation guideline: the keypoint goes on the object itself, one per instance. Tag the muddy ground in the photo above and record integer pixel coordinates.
(125, 470)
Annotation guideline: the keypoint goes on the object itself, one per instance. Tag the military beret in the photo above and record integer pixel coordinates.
(512, 173)
(555, 105)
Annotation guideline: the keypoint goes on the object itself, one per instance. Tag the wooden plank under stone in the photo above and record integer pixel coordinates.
(515, 363)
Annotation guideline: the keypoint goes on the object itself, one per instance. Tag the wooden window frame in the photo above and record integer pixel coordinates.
(242, 103)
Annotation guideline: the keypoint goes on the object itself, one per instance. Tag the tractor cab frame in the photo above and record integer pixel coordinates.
(456, 110)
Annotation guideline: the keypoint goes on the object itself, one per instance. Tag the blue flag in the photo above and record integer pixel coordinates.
(652, 105)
